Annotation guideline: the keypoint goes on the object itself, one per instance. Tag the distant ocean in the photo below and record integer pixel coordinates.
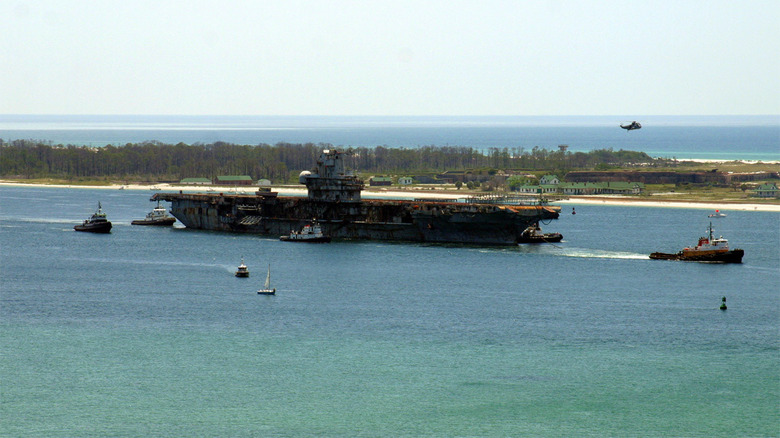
(690, 137)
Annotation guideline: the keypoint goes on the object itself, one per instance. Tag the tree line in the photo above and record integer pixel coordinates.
(282, 162)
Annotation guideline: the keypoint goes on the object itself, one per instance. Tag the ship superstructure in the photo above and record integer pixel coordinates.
(330, 182)
(334, 198)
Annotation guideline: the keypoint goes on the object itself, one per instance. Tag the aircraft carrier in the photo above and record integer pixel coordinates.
(334, 201)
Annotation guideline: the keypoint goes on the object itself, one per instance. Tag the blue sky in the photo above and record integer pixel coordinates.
(304, 57)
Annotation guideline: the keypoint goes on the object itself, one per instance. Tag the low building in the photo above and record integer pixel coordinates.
(549, 180)
(195, 181)
(602, 188)
(423, 179)
(768, 190)
(537, 188)
(380, 181)
(405, 180)
(580, 188)
(622, 188)
(453, 176)
(233, 180)
(464, 176)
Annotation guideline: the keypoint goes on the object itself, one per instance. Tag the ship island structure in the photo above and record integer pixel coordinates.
(334, 200)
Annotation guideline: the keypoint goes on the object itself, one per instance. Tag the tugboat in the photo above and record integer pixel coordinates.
(97, 223)
(311, 233)
(708, 250)
(158, 216)
(533, 234)
(242, 271)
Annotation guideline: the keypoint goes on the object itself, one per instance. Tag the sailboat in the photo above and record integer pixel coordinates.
(266, 290)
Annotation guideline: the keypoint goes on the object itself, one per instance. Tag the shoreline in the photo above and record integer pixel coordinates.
(609, 200)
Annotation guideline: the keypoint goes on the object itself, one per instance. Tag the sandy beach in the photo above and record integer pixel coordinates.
(429, 194)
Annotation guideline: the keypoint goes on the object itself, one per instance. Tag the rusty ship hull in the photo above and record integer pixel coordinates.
(334, 201)
(413, 221)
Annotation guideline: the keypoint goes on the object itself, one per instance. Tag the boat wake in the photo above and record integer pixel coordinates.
(227, 268)
(563, 251)
(600, 254)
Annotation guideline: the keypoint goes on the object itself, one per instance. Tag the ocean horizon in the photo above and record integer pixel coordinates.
(749, 138)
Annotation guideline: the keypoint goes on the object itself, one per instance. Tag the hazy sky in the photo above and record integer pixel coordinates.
(395, 57)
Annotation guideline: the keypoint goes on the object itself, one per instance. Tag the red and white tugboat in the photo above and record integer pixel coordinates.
(708, 250)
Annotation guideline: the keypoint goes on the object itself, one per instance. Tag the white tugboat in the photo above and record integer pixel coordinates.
(158, 216)
(242, 271)
(311, 233)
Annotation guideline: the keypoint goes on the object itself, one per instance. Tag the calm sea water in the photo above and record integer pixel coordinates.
(696, 137)
(146, 332)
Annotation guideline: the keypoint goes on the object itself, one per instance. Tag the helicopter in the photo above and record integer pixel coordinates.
(631, 126)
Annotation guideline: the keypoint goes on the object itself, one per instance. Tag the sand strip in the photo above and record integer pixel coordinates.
(412, 194)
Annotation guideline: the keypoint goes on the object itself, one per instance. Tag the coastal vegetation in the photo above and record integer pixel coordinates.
(152, 161)
(155, 161)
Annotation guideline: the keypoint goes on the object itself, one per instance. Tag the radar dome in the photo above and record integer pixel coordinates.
(302, 177)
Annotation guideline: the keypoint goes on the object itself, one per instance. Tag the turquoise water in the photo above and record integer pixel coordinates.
(146, 332)
(692, 137)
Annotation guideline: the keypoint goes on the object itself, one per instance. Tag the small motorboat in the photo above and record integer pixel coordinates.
(717, 214)
(242, 270)
(266, 290)
(158, 216)
(97, 223)
(534, 234)
(311, 233)
(707, 250)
